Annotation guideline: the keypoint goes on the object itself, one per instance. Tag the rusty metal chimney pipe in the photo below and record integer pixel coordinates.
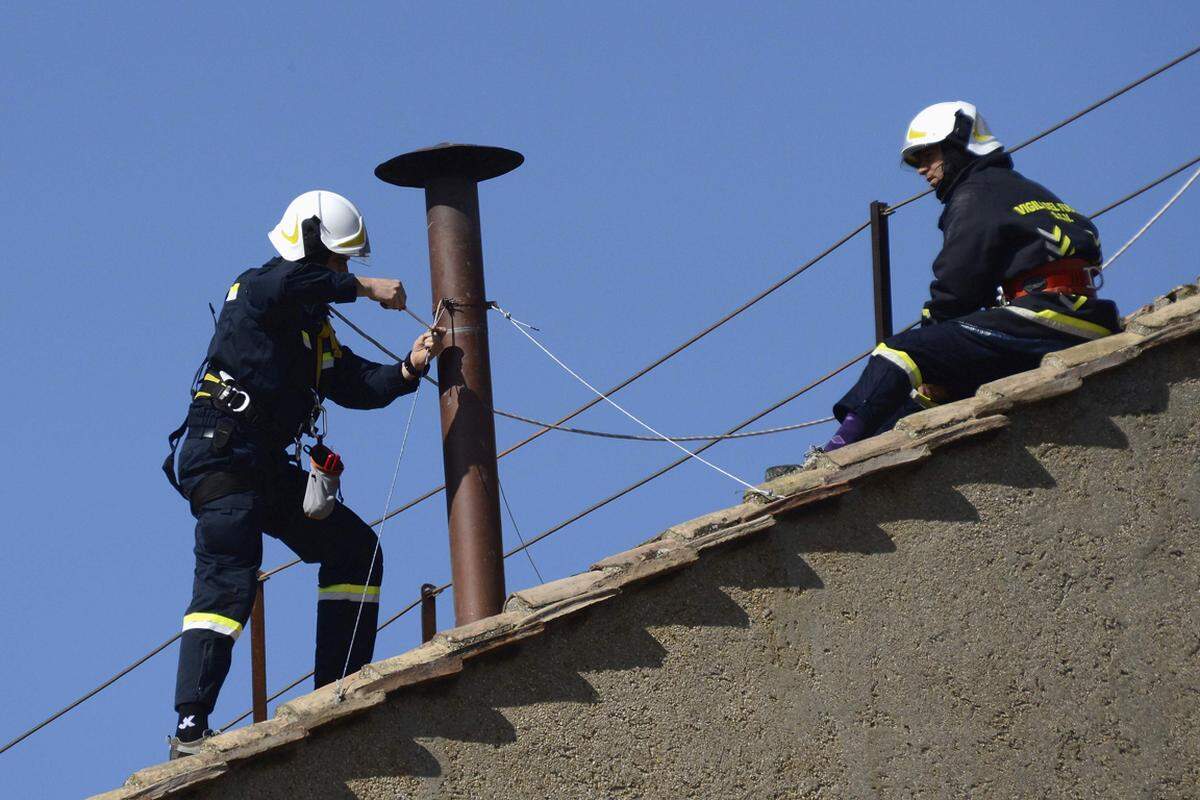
(450, 174)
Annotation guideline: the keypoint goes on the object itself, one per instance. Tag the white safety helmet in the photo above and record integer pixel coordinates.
(955, 121)
(342, 228)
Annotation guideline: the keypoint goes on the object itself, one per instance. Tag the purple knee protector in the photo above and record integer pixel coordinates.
(849, 432)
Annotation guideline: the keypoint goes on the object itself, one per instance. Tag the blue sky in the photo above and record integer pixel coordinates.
(680, 157)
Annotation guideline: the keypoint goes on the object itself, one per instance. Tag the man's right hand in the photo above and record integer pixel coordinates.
(389, 293)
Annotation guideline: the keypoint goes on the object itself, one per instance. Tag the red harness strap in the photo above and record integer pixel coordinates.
(1066, 276)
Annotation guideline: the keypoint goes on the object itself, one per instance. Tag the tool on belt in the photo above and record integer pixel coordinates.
(1065, 276)
(324, 481)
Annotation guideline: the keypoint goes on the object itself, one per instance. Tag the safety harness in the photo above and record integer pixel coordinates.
(224, 394)
(1066, 276)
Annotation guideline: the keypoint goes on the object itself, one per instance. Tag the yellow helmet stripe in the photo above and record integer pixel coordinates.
(294, 236)
(356, 240)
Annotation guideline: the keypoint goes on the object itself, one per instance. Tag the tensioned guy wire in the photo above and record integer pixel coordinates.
(584, 431)
(93, 692)
(787, 278)
(512, 518)
(309, 674)
(1146, 188)
(522, 327)
(643, 481)
(1070, 119)
(431, 492)
(1152, 220)
(526, 545)
(379, 535)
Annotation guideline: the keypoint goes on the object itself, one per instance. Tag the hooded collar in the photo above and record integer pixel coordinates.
(999, 159)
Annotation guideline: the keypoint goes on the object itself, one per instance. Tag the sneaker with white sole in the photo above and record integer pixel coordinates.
(180, 749)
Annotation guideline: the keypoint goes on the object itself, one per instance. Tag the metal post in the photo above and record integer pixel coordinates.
(258, 656)
(428, 612)
(881, 270)
(450, 174)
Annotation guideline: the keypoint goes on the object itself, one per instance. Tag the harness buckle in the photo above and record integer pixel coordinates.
(232, 398)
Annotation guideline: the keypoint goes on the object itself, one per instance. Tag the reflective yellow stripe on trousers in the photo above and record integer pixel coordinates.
(212, 622)
(1062, 322)
(902, 360)
(349, 591)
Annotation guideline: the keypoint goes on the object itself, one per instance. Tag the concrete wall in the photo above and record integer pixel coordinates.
(1015, 617)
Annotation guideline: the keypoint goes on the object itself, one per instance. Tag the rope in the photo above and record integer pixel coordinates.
(633, 437)
(432, 492)
(1070, 119)
(664, 470)
(436, 490)
(522, 327)
(512, 518)
(645, 370)
(309, 674)
(375, 553)
(1152, 220)
(526, 545)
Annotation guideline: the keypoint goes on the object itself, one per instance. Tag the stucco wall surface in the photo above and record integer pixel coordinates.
(1015, 617)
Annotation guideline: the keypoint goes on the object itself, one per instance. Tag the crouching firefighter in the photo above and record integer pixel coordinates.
(272, 361)
(1013, 281)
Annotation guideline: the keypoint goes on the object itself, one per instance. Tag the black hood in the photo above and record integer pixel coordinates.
(959, 164)
(315, 251)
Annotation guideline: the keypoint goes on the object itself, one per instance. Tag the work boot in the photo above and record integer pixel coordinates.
(180, 748)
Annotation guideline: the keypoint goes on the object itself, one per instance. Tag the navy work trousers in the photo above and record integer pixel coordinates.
(962, 354)
(228, 556)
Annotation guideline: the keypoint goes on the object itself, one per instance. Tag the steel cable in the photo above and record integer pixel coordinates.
(1151, 221)
(308, 675)
(893, 208)
(643, 371)
(436, 490)
(93, 692)
(633, 437)
(1147, 187)
(525, 545)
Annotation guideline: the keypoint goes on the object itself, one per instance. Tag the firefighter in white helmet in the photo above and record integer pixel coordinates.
(1013, 281)
(272, 361)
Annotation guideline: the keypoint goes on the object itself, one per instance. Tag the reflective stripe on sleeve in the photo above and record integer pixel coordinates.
(1064, 323)
(349, 591)
(902, 360)
(212, 622)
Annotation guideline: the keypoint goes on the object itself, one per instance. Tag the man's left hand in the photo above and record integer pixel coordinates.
(427, 346)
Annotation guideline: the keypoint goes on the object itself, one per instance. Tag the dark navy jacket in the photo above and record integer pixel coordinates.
(274, 338)
(997, 224)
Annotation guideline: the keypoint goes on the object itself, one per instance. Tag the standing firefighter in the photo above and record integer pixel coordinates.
(272, 361)
(1002, 232)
